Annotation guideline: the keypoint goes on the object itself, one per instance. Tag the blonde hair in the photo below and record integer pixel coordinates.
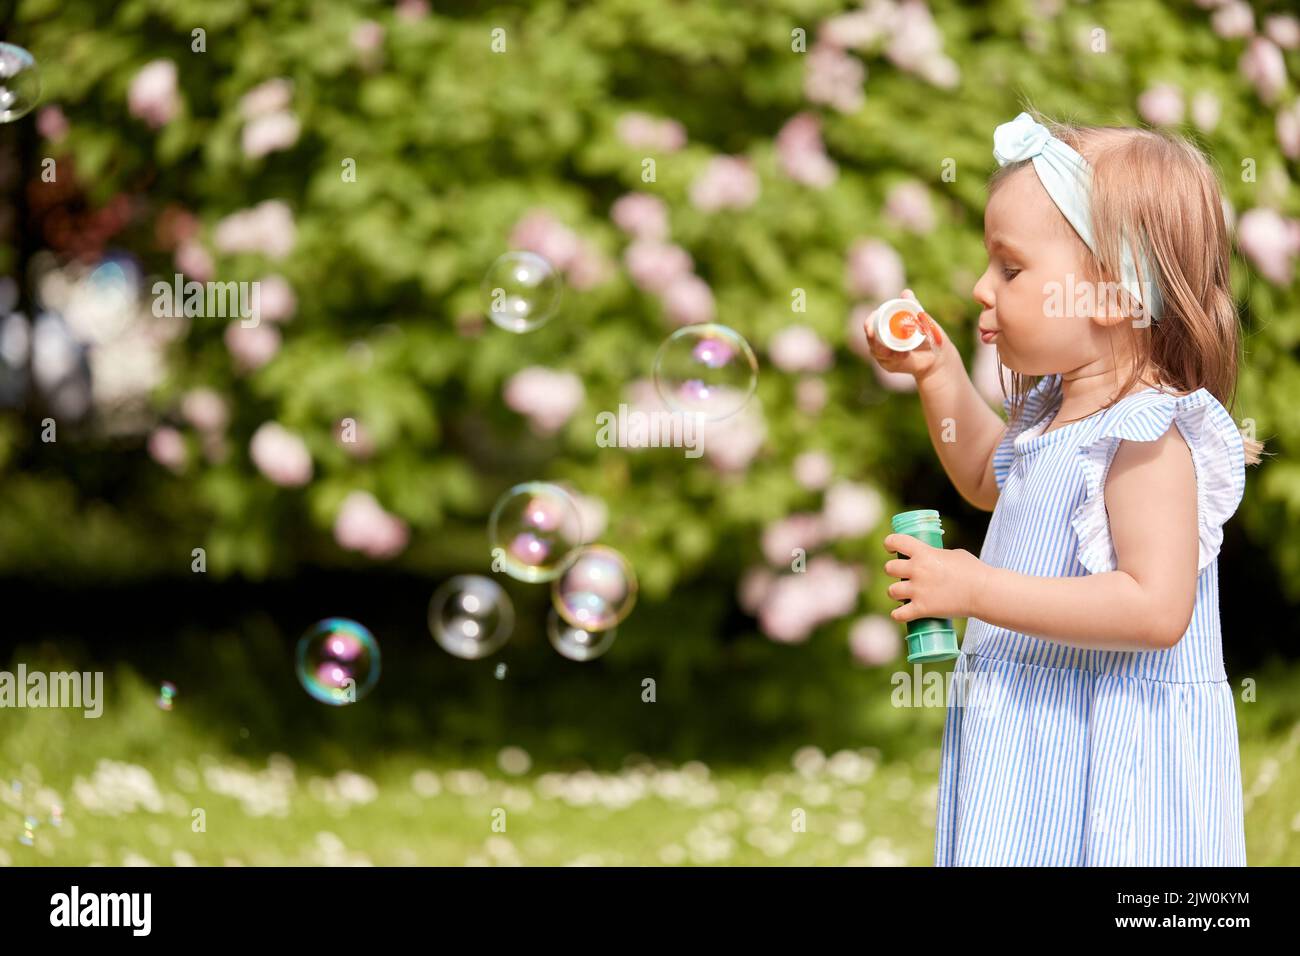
(1161, 187)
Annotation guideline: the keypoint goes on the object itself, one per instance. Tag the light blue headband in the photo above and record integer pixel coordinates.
(1067, 177)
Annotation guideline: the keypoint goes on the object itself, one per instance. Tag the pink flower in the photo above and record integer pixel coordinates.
(193, 259)
(728, 182)
(860, 28)
(834, 78)
(277, 302)
(642, 131)
(1262, 64)
(654, 265)
(1162, 105)
(908, 206)
(541, 233)
(1270, 242)
(269, 134)
(280, 455)
(273, 96)
(641, 216)
(810, 395)
(267, 228)
(1283, 30)
(251, 347)
(916, 37)
(802, 154)
(1205, 110)
(851, 510)
(412, 10)
(875, 269)
(874, 640)
(1287, 124)
(797, 348)
(548, 398)
(153, 95)
(363, 525)
(789, 613)
(367, 36)
(731, 444)
(593, 516)
(205, 409)
(856, 330)
(753, 588)
(813, 470)
(52, 124)
(798, 603)
(167, 448)
(688, 300)
(798, 531)
(354, 439)
(1233, 20)
(588, 268)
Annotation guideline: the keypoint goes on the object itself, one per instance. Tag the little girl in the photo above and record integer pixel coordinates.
(1096, 727)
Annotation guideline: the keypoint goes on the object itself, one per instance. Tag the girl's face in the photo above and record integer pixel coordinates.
(1028, 291)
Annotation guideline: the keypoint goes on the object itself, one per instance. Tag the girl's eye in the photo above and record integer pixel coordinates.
(1010, 274)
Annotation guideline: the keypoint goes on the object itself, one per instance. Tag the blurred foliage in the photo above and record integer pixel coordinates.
(453, 145)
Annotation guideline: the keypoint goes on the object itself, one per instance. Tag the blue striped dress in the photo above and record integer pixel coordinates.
(1059, 756)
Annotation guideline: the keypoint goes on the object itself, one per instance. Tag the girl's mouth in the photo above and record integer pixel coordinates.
(987, 337)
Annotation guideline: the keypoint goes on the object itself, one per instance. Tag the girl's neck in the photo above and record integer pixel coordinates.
(1086, 391)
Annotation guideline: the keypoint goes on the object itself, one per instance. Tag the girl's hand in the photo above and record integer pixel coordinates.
(939, 582)
(921, 360)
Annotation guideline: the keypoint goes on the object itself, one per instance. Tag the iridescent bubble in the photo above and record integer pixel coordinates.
(29, 836)
(471, 616)
(575, 643)
(596, 591)
(533, 530)
(521, 291)
(20, 82)
(500, 672)
(338, 661)
(166, 695)
(707, 369)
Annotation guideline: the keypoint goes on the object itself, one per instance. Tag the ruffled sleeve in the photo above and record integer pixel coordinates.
(1217, 455)
(1039, 397)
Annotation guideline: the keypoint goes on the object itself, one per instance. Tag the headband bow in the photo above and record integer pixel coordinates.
(1067, 177)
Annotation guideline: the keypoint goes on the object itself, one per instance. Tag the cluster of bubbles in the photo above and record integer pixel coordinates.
(166, 695)
(535, 529)
(20, 82)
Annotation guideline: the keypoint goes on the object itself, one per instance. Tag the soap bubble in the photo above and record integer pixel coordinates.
(338, 661)
(521, 291)
(596, 591)
(471, 616)
(166, 695)
(20, 82)
(500, 672)
(575, 643)
(707, 369)
(533, 530)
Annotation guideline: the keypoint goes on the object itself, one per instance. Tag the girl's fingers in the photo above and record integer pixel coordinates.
(933, 326)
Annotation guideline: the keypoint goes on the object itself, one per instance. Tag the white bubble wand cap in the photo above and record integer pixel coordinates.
(898, 324)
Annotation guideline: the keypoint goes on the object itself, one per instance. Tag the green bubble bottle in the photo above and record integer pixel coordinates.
(929, 639)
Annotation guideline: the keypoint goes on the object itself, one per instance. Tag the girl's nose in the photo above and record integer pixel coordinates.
(983, 291)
